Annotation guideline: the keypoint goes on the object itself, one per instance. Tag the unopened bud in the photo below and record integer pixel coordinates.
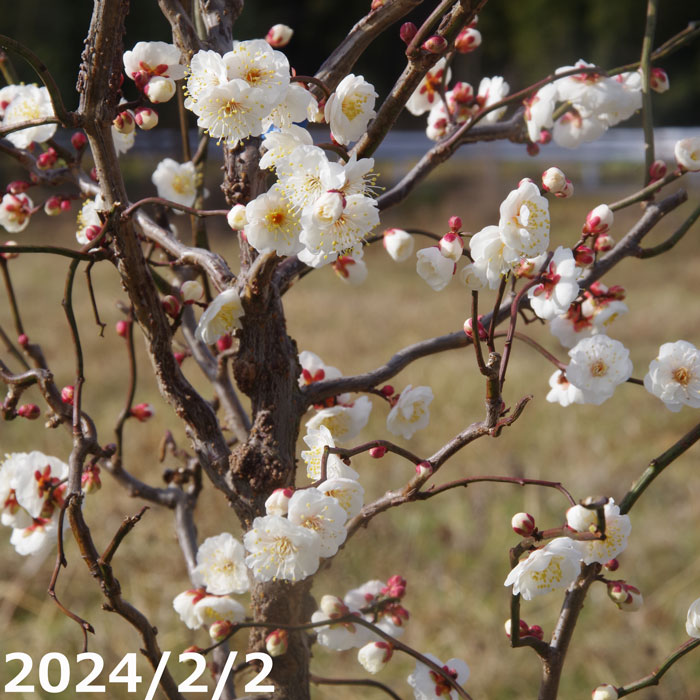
(435, 44)
(598, 220)
(78, 140)
(605, 692)
(523, 628)
(532, 149)
(627, 598)
(47, 159)
(65, 205)
(18, 187)
(23, 340)
(523, 524)
(468, 40)
(545, 137)
(583, 255)
(483, 333)
(52, 206)
(179, 357)
(373, 657)
(387, 390)
(90, 479)
(395, 586)
(29, 410)
(159, 89)
(279, 35)
(657, 170)
(67, 394)
(658, 80)
(142, 411)
(398, 243)
(124, 122)
(277, 642)
(424, 469)
(553, 180)
(407, 32)
(455, 223)
(612, 565)
(567, 191)
(377, 452)
(146, 118)
(278, 502)
(170, 305)
(122, 328)
(192, 650)
(535, 631)
(451, 246)
(236, 218)
(220, 630)
(191, 291)
(224, 342)
(351, 270)
(332, 606)
(603, 243)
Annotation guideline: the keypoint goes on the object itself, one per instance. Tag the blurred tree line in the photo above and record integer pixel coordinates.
(522, 41)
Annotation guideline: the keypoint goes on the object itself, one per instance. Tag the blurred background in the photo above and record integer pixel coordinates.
(453, 550)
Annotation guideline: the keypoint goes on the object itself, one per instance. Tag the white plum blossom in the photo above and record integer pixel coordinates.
(674, 376)
(427, 93)
(280, 144)
(306, 173)
(206, 70)
(176, 181)
(236, 217)
(37, 539)
(539, 110)
(492, 90)
(605, 692)
(277, 502)
(338, 636)
(473, 277)
(350, 108)
(212, 608)
(317, 440)
(556, 565)
(575, 127)
(562, 391)
(29, 102)
(343, 421)
(220, 565)
(558, 286)
(279, 35)
(321, 514)
(434, 267)
(686, 151)
(487, 249)
(153, 58)
(553, 180)
(223, 315)
(605, 314)
(398, 243)
(598, 365)
(273, 225)
(159, 89)
(374, 656)
(351, 270)
(279, 549)
(15, 212)
(348, 492)
(314, 369)
(89, 221)
(293, 107)
(389, 619)
(410, 413)
(617, 530)
(122, 142)
(184, 603)
(524, 222)
(430, 685)
(692, 623)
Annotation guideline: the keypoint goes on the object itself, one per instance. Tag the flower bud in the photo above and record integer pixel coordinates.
(451, 246)
(122, 328)
(332, 606)
(598, 220)
(658, 80)
(377, 452)
(65, 205)
(220, 629)
(424, 469)
(387, 390)
(373, 657)
(279, 35)
(398, 243)
(553, 180)
(468, 40)
(483, 334)
(605, 692)
(192, 650)
(395, 587)
(142, 411)
(626, 597)
(52, 206)
(277, 502)
(67, 394)
(523, 628)
(545, 137)
(532, 149)
(687, 153)
(159, 89)
(435, 44)
(583, 255)
(407, 32)
(236, 218)
(17, 187)
(567, 191)
(657, 170)
(90, 479)
(124, 122)
(523, 524)
(22, 340)
(47, 159)
(78, 140)
(277, 642)
(350, 270)
(603, 243)
(191, 291)
(455, 224)
(146, 118)
(612, 565)
(224, 342)
(535, 631)
(10, 256)
(170, 305)
(29, 410)
(179, 357)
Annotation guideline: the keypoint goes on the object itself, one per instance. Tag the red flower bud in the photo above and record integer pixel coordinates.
(170, 305)
(29, 410)
(224, 342)
(23, 340)
(407, 32)
(142, 411)
(435, 44)
(122, 328)
(18, 186)
(78, 140)
(387, 390)
(455, 223)
(377, 452)
(67, 394)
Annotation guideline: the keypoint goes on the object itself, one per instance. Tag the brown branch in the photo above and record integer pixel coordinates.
(184, 32)
(172, 205)
(125, 528)
(672, 239)
(19, 126)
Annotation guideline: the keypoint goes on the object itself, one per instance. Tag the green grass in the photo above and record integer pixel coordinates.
(453, 549)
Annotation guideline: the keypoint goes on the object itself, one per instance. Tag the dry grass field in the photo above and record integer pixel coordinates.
(453, 550)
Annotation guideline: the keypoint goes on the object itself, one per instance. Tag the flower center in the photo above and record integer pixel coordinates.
(182, 184)
(599, 368)
(352, 105)
(682, 375)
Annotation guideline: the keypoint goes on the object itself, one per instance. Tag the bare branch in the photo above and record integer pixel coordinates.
(184, 33)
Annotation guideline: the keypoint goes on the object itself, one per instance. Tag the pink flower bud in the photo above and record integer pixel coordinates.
(424, 469)
(279, 35)
(124, 122)
(52, 206)
(407, 32)
(468, 40)
(18, 187)
(387, 390)
(395, 587)
(605, 692)
(93, 175)
(170, 305)
(553, 180)
(523, 524)
(483, 333)
(451, 246)
(179, 357)
(583, 255)
(146, 118)
(535, 631)
(277, 502)
(10, 256)
(142, 411)
(532, 149)
(567, 191)
(627, 598)
(65, 205)
(29, 410)
(123, 328)
(455, 223)
(603, 243)
(92, 232)
(374, 656)
(192, 650)
(612, 565)
(598, 220)
(90, 479)
(47, 159)
(277, 642)
(657, 170)
(523, 628)
(332, 606)
(377, 452)
(67, 394)
(658, 80)
(435, 44)
(224, 342)
(23, 340)
(78, 140)
(545, 137)
(220, 629)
